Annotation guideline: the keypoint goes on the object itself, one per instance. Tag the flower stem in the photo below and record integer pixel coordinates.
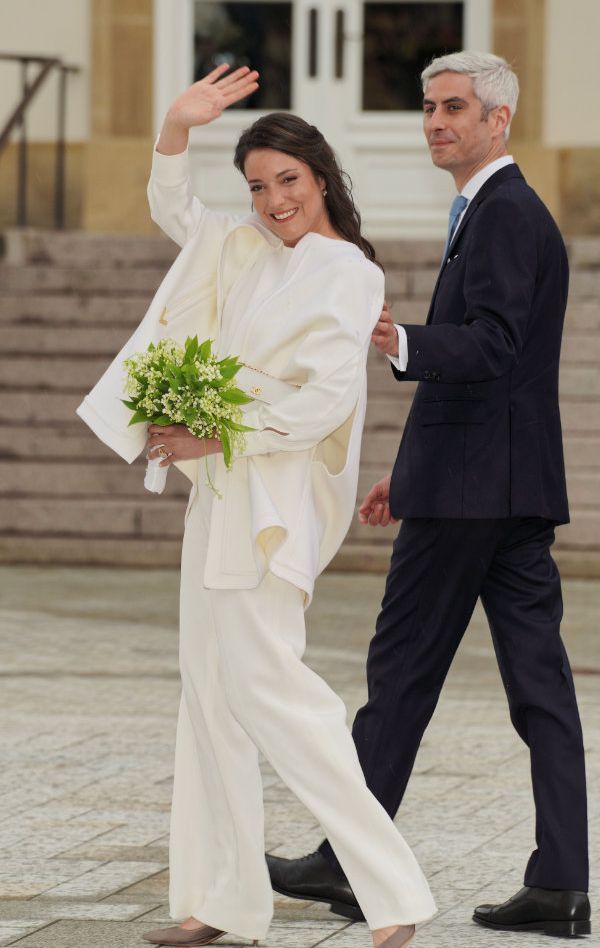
(209, 482)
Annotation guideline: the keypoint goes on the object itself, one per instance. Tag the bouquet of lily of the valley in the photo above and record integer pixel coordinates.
(186, 385)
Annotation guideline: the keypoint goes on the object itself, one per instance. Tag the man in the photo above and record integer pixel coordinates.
(479, 484)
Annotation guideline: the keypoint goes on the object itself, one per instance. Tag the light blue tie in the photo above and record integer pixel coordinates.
(458, 205)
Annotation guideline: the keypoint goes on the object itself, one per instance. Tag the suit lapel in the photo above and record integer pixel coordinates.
(503, 174)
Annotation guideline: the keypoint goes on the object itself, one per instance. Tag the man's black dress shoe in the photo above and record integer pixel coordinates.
(314, 879)
(563, 913)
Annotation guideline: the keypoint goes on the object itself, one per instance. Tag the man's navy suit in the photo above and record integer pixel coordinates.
(479, 483)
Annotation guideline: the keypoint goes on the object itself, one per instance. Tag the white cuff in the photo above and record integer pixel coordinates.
(401, 361)
(170, 170)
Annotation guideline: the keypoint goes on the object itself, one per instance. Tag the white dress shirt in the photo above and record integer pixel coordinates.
(469, 191)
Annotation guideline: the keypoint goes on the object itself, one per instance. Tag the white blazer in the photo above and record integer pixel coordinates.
(289, 499)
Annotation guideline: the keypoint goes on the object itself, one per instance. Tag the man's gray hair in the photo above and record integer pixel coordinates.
(494, 81)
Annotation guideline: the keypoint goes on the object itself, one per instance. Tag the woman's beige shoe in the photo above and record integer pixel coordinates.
(400, 938)
(180, 937)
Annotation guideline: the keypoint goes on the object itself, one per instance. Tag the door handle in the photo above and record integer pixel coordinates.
(313, 42)
(340, 37)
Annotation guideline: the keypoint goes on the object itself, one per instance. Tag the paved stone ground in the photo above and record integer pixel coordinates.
(89, 690)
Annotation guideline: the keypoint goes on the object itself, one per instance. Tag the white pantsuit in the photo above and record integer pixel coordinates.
(245, 687)
(250, 558)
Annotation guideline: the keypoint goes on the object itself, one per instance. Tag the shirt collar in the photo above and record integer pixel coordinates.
(474, 184)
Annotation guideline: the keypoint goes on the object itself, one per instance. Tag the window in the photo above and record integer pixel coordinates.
(400, 39)
(247, 34)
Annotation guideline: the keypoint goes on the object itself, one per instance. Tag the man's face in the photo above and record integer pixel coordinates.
(459, 138)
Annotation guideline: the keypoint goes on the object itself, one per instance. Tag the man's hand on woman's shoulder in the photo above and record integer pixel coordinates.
(385, 334)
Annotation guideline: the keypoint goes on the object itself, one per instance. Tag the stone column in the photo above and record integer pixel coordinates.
(119, 149)
(519, 36)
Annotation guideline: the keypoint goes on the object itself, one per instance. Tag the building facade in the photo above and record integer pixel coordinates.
(349, 66)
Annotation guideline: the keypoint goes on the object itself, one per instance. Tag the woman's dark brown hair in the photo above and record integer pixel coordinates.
(290, 134)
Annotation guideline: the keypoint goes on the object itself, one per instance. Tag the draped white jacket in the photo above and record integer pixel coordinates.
(289, 499)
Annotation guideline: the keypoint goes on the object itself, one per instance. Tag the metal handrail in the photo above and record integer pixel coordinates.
(17, 120)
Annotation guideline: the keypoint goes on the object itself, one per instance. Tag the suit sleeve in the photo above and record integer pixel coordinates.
(332, 353)
(499, 285)
(175, 208)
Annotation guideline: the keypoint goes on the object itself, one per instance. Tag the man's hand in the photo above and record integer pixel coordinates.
(385, 335)
(375, 508)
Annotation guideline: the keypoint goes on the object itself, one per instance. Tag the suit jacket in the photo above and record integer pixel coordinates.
(483, 437)
(289, 499)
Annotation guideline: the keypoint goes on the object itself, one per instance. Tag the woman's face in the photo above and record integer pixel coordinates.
(286, 195)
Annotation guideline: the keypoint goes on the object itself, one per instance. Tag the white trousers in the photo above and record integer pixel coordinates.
(245, 689)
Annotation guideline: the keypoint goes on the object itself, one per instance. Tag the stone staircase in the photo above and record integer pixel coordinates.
(68, 302)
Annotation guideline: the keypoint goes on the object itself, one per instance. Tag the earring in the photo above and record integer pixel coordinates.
(324, 192)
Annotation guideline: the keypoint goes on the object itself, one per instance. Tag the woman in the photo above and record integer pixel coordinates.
(294, 292)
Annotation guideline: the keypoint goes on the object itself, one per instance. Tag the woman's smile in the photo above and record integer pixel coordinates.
(283, 216)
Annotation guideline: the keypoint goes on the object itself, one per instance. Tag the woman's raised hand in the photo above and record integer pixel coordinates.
(205, 100)
(202, 103)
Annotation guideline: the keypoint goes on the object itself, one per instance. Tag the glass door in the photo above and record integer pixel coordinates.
(259, 35)
(349, 66)
(381, 49)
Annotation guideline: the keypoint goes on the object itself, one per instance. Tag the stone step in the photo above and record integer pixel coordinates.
(128, 309)
(77, 443)
(73, 442)
(67, 304)
(365, 557)
(379, 450)
(578, 414)
(584, 252)
(56, 373)
(580, 349)
(102, 281)
(96, 551)
(150, 516)
(80, 370)
(73, 310)
(26, 246)
(584, 284)
(100, 478)
(127, 551)
(582, 317)
(409, 253)
(102, 499)
(579, 380)
(59, 340)
(57, 408)
(383, 413)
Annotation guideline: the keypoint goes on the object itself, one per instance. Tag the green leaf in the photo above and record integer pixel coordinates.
(235, 396)
(162, 420)
(137, 417)
(225, 440)
(228, 368)
(236, 426)
(190, 372)
(191, 348)
(132, 406)
(205, 350)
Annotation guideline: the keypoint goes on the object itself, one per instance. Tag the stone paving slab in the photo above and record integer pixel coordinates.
(89, 690)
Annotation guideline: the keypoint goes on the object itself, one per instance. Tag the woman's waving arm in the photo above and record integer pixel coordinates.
(173, 206)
